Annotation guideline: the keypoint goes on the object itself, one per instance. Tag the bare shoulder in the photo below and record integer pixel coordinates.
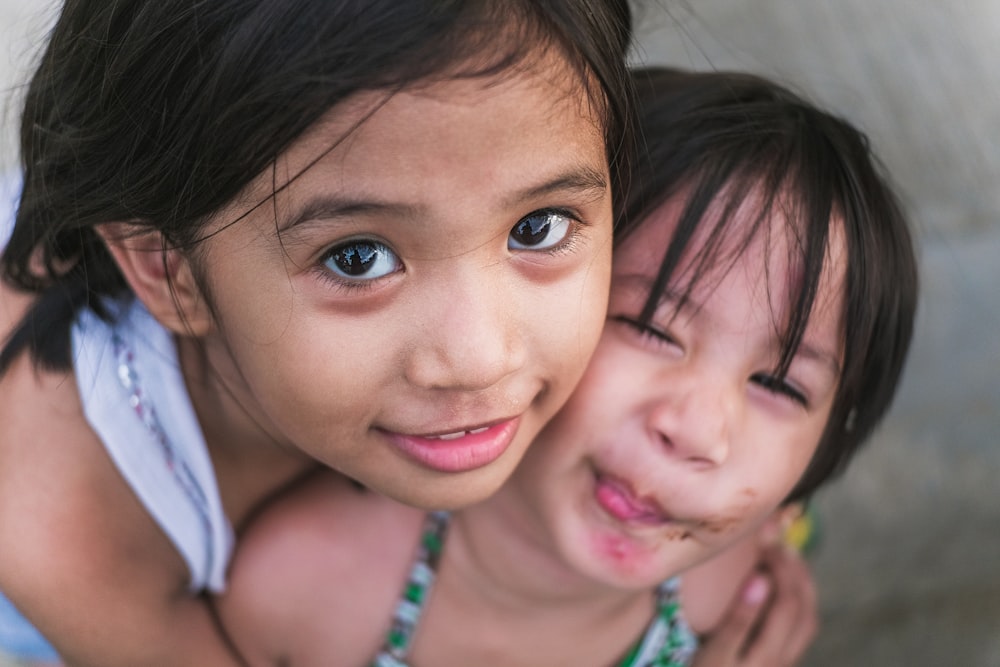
(77, 544)
(318, 573)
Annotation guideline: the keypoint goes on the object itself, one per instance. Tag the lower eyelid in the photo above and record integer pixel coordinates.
(352, 287)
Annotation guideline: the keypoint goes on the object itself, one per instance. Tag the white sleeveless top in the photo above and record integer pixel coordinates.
(135, 399)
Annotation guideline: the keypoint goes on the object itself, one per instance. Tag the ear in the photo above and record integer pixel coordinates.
(161, 277)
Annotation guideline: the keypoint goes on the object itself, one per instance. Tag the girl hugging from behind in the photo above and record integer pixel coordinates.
(762, 301)
(259, 237)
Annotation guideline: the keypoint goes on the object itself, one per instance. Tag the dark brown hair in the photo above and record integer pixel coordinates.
(721, 137)
(159, 112)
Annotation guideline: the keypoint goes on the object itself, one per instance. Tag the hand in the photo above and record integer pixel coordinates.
(772, 622)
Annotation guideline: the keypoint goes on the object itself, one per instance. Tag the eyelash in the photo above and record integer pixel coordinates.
(780, 388)
(359, 287)
(653, 334)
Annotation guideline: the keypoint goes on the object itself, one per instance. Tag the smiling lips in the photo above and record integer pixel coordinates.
(459, 451)
(618, 500)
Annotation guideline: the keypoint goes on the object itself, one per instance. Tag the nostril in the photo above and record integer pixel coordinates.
(666, 441)
(705, 454)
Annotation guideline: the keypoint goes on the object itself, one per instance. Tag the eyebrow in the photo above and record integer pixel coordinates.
(581, 180)
(333, 207)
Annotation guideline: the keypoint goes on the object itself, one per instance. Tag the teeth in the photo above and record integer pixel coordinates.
(461, 434)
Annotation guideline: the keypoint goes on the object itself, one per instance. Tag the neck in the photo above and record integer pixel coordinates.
(502, 544)
(500, 561)
(249, 463)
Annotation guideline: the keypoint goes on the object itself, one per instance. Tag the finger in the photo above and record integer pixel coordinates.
(788, 627)
(799, 579)
(795, 579)
(724, 646)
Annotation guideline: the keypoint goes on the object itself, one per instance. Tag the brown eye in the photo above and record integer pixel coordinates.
(539, 231)
(362, 260)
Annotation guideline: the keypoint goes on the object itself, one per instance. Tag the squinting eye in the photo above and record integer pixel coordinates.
(781, 388)
(361, 260)
(646, 332)
(540, 230)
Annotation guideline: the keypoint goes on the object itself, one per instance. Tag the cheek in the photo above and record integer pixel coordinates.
(612, 383)
(570, 434)
(776, 458)
(567, 321)
(304, 365)
(749, 508)
(332, 355)
(590, 405)
(590, 424)
(250, 297)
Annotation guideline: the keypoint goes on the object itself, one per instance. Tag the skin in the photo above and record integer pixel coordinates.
(462, 323)
(769, 619)
(673, 445)
(675, 448)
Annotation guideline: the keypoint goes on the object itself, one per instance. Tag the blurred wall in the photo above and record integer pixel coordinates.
(909, 564)
(23, 26)
(922, 77)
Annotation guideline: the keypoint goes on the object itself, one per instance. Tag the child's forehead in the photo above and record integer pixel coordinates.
(511, 103)
(470, 82)
(734, 222)
(763, 247)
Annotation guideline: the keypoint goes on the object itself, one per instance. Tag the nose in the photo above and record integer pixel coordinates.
(692, 417)
(469, 334)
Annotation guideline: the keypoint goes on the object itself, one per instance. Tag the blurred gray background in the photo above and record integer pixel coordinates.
(909, 563)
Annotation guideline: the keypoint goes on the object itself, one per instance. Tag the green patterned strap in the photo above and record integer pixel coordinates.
(418, 587)
(669, 641)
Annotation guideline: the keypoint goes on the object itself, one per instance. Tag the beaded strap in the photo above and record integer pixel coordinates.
(418, 585)
(144, 410)
(669, 641)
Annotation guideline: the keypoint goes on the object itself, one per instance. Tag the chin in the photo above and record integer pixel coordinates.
(455, 491)
(625, 562)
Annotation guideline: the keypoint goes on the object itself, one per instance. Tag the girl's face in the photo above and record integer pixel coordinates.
(421, 300)
(678, 440)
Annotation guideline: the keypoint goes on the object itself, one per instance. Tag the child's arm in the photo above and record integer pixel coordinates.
(317, 575)
(768, 619)
(104, 600)
(80, 557)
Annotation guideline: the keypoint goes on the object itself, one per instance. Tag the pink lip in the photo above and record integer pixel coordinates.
(621, 503)
(467, 452)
